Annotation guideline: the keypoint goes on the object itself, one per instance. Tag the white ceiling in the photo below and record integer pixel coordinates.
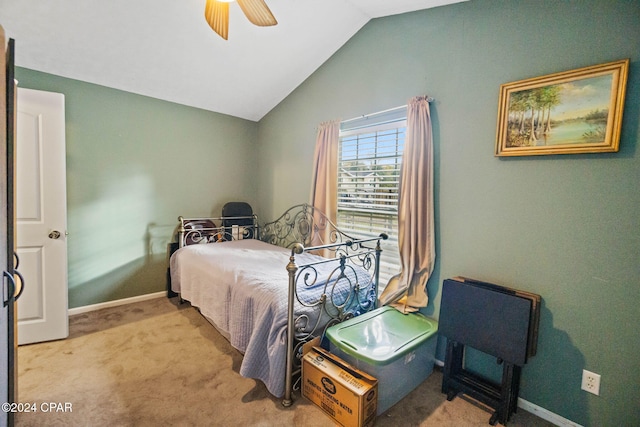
(165, 49)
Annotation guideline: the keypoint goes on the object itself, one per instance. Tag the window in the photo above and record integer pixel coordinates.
(369, 160)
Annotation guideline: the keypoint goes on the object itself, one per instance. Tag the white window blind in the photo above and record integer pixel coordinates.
(369, 161)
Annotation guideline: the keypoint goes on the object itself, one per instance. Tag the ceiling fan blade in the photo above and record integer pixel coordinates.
(257, 12)
(217, 16)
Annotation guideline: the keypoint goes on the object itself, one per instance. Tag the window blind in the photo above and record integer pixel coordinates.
(369, 162)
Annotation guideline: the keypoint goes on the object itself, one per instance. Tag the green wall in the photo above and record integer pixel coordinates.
(134, 164)
(566, 227)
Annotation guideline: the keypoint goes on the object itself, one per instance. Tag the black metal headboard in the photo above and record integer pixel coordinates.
(302, 224)
(211, 230)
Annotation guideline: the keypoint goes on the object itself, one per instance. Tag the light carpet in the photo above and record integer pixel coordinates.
(159, 363)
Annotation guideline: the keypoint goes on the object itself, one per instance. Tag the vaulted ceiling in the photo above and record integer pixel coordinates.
(166, 50)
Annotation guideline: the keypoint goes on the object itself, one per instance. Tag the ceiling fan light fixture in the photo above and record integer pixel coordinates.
(216, 13)
(257, 12)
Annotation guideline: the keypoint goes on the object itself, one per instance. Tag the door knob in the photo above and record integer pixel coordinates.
(55, 234)
(11, 289)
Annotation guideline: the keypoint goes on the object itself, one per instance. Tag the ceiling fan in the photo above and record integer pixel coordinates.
(216, 12)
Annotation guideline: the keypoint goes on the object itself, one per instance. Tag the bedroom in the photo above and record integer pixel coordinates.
(566, 227)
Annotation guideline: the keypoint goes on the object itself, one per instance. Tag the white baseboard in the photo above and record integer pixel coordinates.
(536, 410)
(99, 306)
(545, 414)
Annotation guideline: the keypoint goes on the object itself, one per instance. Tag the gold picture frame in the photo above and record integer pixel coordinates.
(576, 111)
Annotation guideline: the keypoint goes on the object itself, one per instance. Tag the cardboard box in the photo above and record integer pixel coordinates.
(348, 395)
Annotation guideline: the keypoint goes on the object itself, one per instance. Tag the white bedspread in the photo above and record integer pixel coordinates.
(241, 286)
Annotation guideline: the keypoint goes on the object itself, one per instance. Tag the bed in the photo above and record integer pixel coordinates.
(271, 288)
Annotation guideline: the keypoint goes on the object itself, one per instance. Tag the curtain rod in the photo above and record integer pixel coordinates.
(364, 116)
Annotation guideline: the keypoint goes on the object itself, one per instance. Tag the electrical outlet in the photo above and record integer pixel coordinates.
(591, 382)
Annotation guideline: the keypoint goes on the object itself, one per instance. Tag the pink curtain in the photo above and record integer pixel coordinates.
(324, 181)
(416, 237)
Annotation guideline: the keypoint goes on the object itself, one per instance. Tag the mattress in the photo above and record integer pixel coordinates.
(242, 287)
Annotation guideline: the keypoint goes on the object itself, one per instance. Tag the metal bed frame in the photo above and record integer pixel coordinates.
(302, 228)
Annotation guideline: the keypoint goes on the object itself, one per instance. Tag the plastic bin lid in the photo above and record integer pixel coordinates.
(382, 335)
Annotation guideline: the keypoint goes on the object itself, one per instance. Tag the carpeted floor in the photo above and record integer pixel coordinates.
(156, 363)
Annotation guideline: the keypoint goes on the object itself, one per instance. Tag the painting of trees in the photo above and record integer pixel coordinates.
(575, 111)
(530, 114)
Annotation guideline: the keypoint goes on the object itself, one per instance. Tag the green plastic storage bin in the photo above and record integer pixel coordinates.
(398, 349)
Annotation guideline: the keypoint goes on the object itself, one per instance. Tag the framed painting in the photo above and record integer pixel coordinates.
(577, 111)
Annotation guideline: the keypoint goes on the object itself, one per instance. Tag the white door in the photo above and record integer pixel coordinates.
(41, 216)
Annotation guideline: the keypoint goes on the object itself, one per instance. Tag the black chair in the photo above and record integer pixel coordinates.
(241, 215)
